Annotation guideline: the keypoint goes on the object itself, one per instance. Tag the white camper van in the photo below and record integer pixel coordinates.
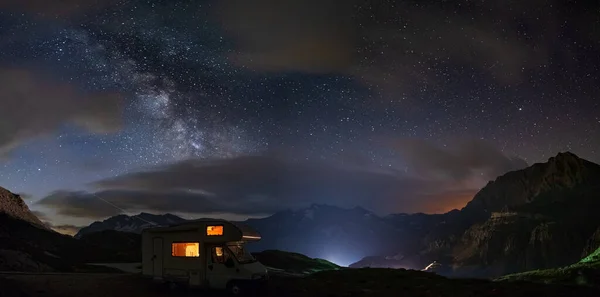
(203, 253)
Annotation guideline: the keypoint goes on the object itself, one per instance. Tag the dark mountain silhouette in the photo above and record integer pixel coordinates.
(324, 231)
(132, 224)
(543, 216)
(26, 244)
(13, 205)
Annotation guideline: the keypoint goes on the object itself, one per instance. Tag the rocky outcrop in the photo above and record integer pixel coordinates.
(540, 217)
(543, 216)
(12, 205)
(516, 188)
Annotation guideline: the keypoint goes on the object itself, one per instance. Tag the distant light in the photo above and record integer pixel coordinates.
(339, 260)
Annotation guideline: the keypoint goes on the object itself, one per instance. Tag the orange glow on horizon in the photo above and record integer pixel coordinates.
(445, 202)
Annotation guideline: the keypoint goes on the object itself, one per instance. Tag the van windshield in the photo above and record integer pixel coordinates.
(241, 254)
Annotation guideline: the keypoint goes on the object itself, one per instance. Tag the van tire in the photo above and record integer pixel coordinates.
(234, 288)
(172, 286)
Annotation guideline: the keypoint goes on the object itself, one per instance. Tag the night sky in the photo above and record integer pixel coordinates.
(240, 108)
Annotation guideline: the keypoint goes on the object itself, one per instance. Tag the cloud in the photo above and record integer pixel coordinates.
(458, 162)
(70, 230)
(260, 184)
(385, 43)
(63, 229)
(33, 105)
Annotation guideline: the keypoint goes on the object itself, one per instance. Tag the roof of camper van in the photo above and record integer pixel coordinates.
(246, 230)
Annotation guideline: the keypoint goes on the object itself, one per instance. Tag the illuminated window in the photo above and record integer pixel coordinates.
(219, 255)
(214, 230)
(185, 249)
(219, 251)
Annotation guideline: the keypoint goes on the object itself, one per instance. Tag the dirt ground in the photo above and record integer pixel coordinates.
(87, 285)
(354, 283)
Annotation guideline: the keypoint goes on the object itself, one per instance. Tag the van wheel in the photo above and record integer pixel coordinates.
(234, 289)
(172, 286)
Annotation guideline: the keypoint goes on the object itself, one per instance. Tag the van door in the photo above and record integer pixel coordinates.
(217, 272)
(157, 257)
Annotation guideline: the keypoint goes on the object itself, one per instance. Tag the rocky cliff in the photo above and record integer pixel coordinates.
(541, 217)
(564, 171)
(12, 205)
(26, 244)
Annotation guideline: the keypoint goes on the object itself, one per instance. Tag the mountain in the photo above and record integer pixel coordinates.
(543, 216)
(132, 224)
(319, 231)
(26, 244)
(323, 231)
(13, 205)
(565, 171)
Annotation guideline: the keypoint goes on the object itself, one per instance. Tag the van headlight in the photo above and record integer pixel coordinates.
(258, 276)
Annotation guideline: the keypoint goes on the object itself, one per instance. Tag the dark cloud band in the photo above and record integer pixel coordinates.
(252, 185)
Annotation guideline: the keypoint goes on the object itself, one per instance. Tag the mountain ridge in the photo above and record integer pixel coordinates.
(134, 224)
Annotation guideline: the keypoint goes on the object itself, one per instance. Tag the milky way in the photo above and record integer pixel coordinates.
(313, 80)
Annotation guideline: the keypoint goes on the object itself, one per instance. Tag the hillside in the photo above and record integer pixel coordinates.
(586, 272)
(28, 245)
(549, 221)
(132, 224)
(13, 205)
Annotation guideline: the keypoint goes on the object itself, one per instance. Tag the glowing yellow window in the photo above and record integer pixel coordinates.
(219, 251)
(214, 230)
(185, 249)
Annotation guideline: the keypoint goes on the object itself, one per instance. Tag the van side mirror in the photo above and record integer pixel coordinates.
(229, 263)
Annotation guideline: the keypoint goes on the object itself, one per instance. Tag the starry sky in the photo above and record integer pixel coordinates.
(239, 108)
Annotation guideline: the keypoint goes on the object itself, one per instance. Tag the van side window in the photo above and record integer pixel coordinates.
(185, 249)
(219, 254)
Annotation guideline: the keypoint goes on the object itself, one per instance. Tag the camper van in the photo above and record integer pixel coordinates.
(203, 253)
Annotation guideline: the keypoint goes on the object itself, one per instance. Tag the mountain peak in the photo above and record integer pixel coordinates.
(565, 157)
(13, 205)
(134, 224)
(563, 171)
